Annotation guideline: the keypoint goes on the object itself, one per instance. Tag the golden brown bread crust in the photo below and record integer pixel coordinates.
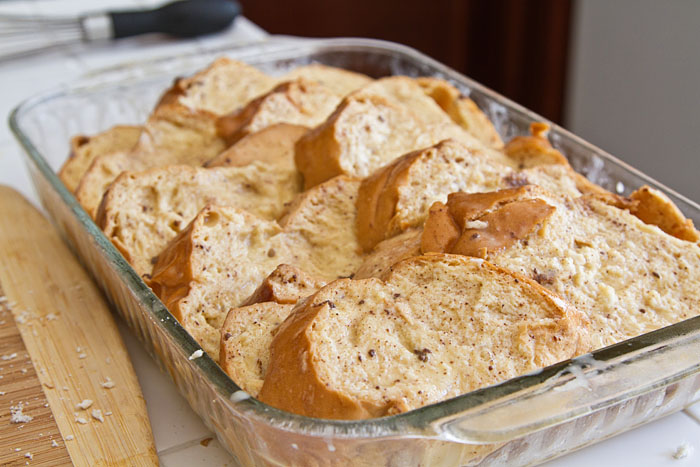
(273, 145)
(84, 150)
(299, 102)
(481, 223)
(387, 333)
(653, 207)
(173, 274)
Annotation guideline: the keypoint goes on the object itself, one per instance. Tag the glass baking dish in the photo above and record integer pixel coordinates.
(521, 421)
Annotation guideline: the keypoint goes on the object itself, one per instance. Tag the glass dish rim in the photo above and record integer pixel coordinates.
(418, 422)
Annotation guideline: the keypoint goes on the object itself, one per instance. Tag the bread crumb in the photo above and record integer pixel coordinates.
(69, 438)
(82, 355)
(65, 388)
(51, 316)
(24, 371)
(81, 420)
(17, 416)
(2, 393)
(97, 415)
(18, 449)
(28, 455)
(477, 224)
(85, 404)
(54, 444)
(108, 413)
(683, 451)
(8, 356)
(108, 383)
(22, 317)
(196, 354)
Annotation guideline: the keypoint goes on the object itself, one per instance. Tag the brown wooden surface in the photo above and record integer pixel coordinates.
(20, 384)
(73, 342)
(517, 47)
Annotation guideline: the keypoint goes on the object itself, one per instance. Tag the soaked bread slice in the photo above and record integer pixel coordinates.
(300, 102)
(220, 259)
(142, 211)
(366, 132)
(273, 145)
(629, 277)
(434, 327)
(161, 143)
(85, 149)
(220, 88)
(385, 119)
(245, 342)
(248, 331)
(341, 82)
(182, 127)
(398, 196)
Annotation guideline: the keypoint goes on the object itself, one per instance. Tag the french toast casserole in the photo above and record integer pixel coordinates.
(348, 247)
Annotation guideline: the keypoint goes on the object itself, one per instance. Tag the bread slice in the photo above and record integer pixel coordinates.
(654, 207)
(85, 149)
(367, 131)
(300, 102)
(629, 277)
(219, 260)
(433, 328)
(182, 127)
(248, 331)
(408, 93)
(273, 145)
(142, 211)
(341, 82)
(161, 143)
(222, 87)
(245, 342)
(462, 110)
(398, 196)
(385, 119)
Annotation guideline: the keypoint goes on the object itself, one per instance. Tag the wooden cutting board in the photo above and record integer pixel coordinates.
(60, 347)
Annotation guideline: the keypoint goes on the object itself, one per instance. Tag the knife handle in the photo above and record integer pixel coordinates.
(184, 18)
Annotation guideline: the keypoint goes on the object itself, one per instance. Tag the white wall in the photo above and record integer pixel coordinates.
(634, 85)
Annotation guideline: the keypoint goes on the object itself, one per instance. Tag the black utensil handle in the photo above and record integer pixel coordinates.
(185, 18)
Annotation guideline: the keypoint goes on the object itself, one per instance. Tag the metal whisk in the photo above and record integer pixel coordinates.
(23, 35)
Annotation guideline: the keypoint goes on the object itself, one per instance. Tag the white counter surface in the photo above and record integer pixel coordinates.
(177, 430)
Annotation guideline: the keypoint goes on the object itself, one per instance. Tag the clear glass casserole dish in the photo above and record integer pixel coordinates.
(521, 421)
